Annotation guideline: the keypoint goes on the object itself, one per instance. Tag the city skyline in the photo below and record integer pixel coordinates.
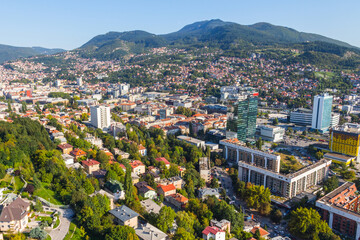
(69, 25)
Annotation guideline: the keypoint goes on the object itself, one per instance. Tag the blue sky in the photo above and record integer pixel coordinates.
(70, 23)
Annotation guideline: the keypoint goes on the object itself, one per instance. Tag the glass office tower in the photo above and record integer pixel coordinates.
(321, 117)
(242, 118)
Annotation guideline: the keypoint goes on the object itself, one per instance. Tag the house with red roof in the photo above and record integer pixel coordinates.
(137, 167)
(91, 165)
(142, 150)
(77, 153)
(65, 148)
(166, 190)
(177, 200)
(164, 160)
(211, 232)
(263, 232)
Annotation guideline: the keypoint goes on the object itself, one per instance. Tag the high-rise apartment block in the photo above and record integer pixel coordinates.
(100, 116)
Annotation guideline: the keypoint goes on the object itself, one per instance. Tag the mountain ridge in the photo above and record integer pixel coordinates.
(8, 53)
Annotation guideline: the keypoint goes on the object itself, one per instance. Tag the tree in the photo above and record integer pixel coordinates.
(306, 223)
(330, 184)
(89, 188)
(259, 143)
(186, 221)
(257, 234)
(38, 207)
(38, 233)
(182, 234)
(121, 233)
(128, 186)
(214, 183)
(319, 155)
(23, 107)
(165, 218)
(276, 215)
(275, 121)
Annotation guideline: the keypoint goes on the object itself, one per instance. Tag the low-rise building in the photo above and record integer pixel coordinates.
(166, 190)
(145, 190)
(125, 216)
(224, 224)
(77, 153)
(271, 133)
(68, 159)
(193, 141)
(150, 206)
(14, 217)
(147, 231)
(164, 160)
(177, 200)
(137, 167)
(208, 192)
(91, 165)
(65, 148)
(211, 232)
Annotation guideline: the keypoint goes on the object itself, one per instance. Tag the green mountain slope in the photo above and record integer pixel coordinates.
(214, 33)
(11, 53)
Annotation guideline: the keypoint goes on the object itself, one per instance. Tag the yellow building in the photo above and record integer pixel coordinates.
(345, 140)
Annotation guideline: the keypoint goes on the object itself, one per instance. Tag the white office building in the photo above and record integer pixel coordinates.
(272, 133)
(124, 88)
(79, 81)
(322, 107)
(301, 116)
(100, 116)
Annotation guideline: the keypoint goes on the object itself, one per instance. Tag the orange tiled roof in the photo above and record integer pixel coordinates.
(167, 188)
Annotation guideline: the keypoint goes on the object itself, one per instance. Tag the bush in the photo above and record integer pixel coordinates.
(29, 188)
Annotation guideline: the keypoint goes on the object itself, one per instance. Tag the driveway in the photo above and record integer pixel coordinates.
(65, 217)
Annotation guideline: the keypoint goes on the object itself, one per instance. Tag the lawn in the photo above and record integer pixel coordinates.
(18, 183)
(74, 233)
(46, 193)
(5, 182)
(325, 75)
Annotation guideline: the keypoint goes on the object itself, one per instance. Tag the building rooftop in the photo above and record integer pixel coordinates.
(123, 213)
(149, 232)
(90, 162)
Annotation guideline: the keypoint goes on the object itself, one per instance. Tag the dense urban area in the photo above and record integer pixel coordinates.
(180, 142)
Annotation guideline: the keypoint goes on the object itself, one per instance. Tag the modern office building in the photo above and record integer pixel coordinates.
(263, 168)
(322, 107)
(341, 209)
(301, 116)
(243, 118)
(100, 116)
(271, 133)
(345, 139)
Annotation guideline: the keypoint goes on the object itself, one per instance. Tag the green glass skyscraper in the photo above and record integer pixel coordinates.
(246, 119)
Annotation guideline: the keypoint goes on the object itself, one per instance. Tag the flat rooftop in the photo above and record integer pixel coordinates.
(307, 168)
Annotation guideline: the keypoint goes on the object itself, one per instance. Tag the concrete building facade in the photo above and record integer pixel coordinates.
(262, 168)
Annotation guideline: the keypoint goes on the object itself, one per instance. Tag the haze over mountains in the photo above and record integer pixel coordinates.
(212, 33)
(11, 53)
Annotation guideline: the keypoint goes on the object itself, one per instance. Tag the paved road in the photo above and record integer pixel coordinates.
(66, 216)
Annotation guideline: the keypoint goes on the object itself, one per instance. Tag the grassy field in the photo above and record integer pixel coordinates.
(18, 184)
(325, 75)
(5, 182)
(46, 193)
